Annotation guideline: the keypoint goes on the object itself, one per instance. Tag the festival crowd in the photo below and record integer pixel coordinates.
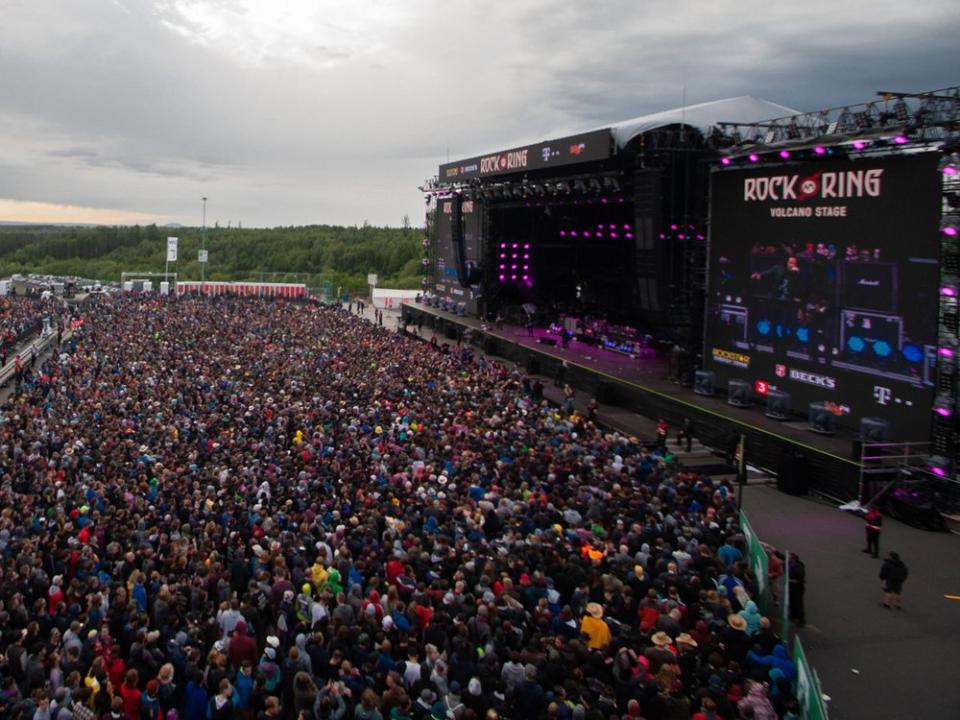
(224, 508)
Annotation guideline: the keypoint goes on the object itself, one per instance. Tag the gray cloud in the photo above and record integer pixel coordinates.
(334, 111)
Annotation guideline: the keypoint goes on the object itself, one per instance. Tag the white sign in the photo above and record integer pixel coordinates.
(171, 249)
(202, 256)
(371, 278)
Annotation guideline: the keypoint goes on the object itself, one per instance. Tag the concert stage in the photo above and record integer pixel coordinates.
(801, 458)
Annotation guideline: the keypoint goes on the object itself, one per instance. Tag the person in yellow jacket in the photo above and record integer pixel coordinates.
(595, 628)
(318, 573)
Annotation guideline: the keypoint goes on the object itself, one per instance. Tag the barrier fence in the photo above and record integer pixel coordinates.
(808, 689)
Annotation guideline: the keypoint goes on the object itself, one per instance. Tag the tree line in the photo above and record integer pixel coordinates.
(314, 254)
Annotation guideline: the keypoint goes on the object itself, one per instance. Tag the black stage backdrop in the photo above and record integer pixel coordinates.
(824, 282)
(457, 238)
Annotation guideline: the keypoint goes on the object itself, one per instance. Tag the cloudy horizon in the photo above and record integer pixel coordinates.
(291, 112)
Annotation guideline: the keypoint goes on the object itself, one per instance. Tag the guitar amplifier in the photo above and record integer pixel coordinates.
(869, 286)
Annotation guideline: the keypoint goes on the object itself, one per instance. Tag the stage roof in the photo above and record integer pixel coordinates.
(743, 109)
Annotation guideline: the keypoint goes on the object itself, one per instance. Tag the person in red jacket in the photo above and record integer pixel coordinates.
(874, 521)
(130, 695)
(242, 646)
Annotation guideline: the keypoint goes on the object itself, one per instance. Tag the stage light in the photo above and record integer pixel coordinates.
(754, 157)
(503, 278)
(629, 236)
(599, 234)
(950, 170)
(681, 236)
(945, 352)
(673, 227)
(763, 327)
(513, 267)
(563, 233)
(503, 245)
(514, 245)
(949, 230)
(856, 343)
(526, 246)
(586, 233)
(948, 292)
(938, 471)
(881, 348)
(942, 411)
(621, 200)
(725, 161)
(913, 353)
(526, 277)
(785, 154)
(820, 150)
(803, 334)
(526, 256)
(901, 140)
(526, 267)
(859, 144)
(603, 200)
(514, 256)
(573, 233)
(612, 226)
(613, 235)
(513, 277)
(626, 226)
(503, 256)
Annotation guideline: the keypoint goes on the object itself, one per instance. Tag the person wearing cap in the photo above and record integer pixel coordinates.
(595, 627)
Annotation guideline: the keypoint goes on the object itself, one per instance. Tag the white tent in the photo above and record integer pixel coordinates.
(703, 116)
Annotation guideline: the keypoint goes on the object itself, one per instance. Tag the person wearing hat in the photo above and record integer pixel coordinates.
(595, 627)
(893, 573)
(735, 639)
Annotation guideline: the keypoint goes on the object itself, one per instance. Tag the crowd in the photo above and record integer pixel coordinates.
(23, 314)
(227, 508)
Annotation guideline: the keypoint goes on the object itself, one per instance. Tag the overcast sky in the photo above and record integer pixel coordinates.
(288, 112)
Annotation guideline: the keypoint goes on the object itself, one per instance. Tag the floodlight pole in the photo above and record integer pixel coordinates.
(203, 247)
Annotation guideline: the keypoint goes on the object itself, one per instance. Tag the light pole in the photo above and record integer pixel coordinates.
(203, 250)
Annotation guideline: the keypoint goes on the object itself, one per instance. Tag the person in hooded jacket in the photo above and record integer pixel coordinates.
(758, 702)
(752, 615)
(779, 660)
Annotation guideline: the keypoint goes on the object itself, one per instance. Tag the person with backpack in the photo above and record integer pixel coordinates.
(893, 573)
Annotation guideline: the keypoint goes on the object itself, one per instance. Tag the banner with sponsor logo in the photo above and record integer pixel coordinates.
(823, 283)
(585, 147)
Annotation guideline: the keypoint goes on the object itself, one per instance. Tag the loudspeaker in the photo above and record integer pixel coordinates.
(738, 393)
(547, 341)
(778, 405)
(704, 382)
(820, 419)
(874, 430)
(533, 365)
(792, 473)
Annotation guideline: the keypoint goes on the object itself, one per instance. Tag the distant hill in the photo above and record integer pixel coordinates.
(312, 254)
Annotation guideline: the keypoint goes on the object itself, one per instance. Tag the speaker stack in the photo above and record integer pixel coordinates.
(738, 393)
(704, 382)
(820, 419)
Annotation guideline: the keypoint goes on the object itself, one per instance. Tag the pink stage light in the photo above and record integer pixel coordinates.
(859, 145)
(901, 140)
(942, 411)
(945, 352)
(754, 157)
(629, 236)
(784, 154)
(938, 471)
(820, 150)
(526, 246)
(950, 170)
(948, 292)
(725, 161)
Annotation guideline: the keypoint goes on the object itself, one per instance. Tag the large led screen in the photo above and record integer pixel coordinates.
(824, 283)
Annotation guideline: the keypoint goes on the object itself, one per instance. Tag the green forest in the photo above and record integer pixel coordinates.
(314, 254)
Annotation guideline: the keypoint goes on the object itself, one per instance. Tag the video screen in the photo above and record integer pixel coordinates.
(456, 238)
(823, 282)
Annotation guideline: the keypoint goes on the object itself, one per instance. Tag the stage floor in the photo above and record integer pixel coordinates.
(650, 375)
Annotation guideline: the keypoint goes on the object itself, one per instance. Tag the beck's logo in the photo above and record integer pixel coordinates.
(824, 381)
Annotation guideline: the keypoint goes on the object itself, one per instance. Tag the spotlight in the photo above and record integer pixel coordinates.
(725, 161)
(785, 154)
(820, 150)
(948, 291)
(754, 157)
(901, 140)
(859, 144)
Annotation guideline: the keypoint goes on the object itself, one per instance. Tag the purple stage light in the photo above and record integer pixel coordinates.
(514, 246)
(859, 144)
(700, 237)
(629, 236)
(725, 161)
(942, 411)
(503, 267)
(820, 150)
(513, 277)
(950, 170)
(938, 471)
(620, 200)
(503, 256)
(948, 292)
(526, 267)
(949, 230)
(673, 227)
(526, 246)
(945, 352)
(526, 256)
(503, 278)
(613, 235)
(563, 233)
(681, 236)
(626, 227)
(784, 154)
(586, 233)
(754, 157)
(573, 233)
(599, 234)
(503, 245)
(513, 267)
(612, 226)
(603, 200)
(526, 277)
(901, 140)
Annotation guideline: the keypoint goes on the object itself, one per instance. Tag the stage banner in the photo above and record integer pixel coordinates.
(823, 283)
(759, 563)
(585, 147)
(171, 249)
(809, 693)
